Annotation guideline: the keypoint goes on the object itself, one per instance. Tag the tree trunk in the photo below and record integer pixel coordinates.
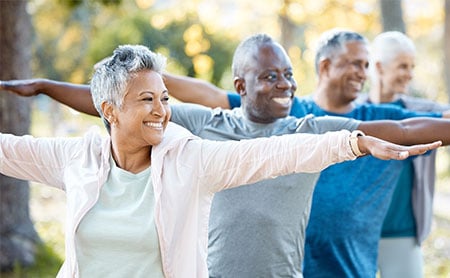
(447, 48)
(392, 15)
(288, 28)
(17, 235)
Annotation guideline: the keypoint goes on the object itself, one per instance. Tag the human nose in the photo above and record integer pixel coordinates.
(285, 83)
(410, 74)
(158, 109)
(362, 71)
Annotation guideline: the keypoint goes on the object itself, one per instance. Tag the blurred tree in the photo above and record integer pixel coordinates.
(288, 26)
(17, 235)
(447, 48)
(70, 42)
(392, 15)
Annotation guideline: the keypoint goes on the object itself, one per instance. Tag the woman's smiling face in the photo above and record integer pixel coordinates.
(145, 110)
(396, 75)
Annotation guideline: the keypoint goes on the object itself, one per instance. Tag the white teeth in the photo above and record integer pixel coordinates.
(282, 100)
(356, 84)
(154, 125)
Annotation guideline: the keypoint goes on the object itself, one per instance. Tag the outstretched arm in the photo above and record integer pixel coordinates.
(385, 150)
(73, 95)
(409, 131)
(446, 114)
(78, 97)
(192, 90)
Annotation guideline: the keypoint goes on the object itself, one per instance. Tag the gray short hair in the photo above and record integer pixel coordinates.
(334, 41)
(112, 75)
(388, 45)
(246, 51)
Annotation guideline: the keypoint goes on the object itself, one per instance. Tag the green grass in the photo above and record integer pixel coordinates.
(46, 266)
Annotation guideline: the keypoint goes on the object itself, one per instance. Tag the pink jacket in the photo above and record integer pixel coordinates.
(186, 173)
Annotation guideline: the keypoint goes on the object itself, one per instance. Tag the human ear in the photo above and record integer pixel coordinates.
(324, 67)
(379, 68)
(239, 85)
(108, 112)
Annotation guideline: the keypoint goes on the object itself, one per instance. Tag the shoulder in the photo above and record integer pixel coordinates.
(423, 104)
(362, 98)
(321, 124)
(174, 131)
(379, 108)
(189, 108)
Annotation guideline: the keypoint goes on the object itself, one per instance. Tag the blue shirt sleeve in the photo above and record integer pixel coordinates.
(234, 99)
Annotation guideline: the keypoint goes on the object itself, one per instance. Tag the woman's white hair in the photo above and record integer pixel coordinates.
(388, 45)
(112, 75)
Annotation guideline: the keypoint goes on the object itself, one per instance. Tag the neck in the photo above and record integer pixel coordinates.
(388, 97)
(378, 95)
(331, 103)
(130, 159)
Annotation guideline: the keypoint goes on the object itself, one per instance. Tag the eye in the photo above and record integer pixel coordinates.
(150, 98)
(271, 76)
(165, 99)
(288, 75)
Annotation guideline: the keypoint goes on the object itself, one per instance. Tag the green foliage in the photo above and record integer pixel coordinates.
(74, 35)
(75, 3)
(46, 266)
(138, 30)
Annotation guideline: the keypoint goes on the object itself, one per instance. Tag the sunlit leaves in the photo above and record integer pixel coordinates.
(144, 4)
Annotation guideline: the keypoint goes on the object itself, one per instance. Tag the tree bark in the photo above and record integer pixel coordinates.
(287, 26)
(18, 237)
(392, 15)
(447, 48)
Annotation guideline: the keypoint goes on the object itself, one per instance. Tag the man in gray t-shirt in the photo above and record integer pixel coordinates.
(257, 230)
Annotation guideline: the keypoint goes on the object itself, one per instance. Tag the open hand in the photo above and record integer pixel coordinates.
(385, 150)
(25, 87)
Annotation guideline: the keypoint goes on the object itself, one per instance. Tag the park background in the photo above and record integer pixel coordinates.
(63, 39)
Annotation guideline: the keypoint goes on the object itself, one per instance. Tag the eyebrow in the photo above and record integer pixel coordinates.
(151, 92)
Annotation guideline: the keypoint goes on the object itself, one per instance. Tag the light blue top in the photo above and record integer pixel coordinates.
(124, 214)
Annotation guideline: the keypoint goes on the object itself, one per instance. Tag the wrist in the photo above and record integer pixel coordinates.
(353, 141)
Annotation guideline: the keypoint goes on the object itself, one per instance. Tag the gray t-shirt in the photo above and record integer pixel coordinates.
(257, 230)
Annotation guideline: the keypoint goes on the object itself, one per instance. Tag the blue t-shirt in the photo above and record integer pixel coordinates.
(350, 201)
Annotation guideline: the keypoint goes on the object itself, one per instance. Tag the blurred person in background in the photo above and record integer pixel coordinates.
(408, 220)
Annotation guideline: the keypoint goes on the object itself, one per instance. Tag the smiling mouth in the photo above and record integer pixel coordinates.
(357, 84)
(153, 124)
(282, 100)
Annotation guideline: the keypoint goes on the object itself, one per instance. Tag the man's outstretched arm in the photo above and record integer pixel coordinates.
(409, 131)
(193, 90)
(385, 150)
(75, 96)
(78, 97)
